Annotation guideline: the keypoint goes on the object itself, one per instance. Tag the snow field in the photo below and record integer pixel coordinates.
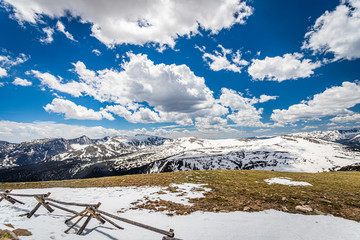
(269, 224)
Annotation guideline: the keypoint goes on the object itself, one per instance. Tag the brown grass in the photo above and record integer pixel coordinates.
(336, 193)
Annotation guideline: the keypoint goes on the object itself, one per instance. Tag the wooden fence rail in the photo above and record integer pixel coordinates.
(91, 211)
(70, 203)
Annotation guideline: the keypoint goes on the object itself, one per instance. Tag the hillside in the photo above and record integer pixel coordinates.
(59, 159)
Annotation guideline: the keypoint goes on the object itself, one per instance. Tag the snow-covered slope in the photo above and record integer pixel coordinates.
(285, 153)
(110, 147)
(82, 157)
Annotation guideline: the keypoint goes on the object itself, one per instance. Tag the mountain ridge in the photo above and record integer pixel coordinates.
(83, 157)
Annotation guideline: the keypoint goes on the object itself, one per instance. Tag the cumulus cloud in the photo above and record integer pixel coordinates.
(348, 118)
(21, 82)
(73, 111)
(117, 22)
(169, 88)
(289, 66)
(144, 92)
(243, 111)
(266, 98)
(49, 35)
(3, 72)
(6, 62)
(334, 101)
(337, 32)
(220, 61)
(61, 28)
(174, 91)
(73, 88)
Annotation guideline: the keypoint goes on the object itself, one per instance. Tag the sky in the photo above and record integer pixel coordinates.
(207, 68)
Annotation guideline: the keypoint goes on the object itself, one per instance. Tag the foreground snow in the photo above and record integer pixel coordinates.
(268, 224)
(286, 181)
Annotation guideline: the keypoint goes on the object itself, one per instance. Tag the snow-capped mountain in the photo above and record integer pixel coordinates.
(83, 157)
(284, 153)
(342, 136)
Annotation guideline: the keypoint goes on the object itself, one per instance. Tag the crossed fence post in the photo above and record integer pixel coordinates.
(91, 211)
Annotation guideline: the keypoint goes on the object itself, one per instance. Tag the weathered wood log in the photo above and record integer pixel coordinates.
(10, 199)
(29, 215)
(70, 203)
(25, 195)
(76, 215)
(41, 200)
(111, 222)
(84, 225)
(23, 215)
(82, 216)
(170, 238)
(4, 196)
(89, 218)
(91, 210)
(17, 200)
(163, 232)
(62, 208)
(5, 191)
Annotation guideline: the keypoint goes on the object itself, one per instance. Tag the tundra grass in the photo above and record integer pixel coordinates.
(336, 193)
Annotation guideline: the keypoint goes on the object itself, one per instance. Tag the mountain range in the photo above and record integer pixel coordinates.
(59, 158)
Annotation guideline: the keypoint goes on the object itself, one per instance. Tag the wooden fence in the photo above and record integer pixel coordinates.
(91, 211)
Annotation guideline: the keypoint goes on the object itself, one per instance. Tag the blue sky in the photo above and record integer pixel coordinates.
(212, 69)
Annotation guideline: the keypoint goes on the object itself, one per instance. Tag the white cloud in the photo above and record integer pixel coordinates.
(8, 62)
(337, 127)
(307, 127)
(144, 92)
(73, 111)
(243, 111)
(334, 101)
(169, 88)
(117, 22)
(56, 83)
(348, 118)
(3, 72)
(19, 131)
(337, 32)
(49, 35)
(206, 123)
(266, 98)
(173, 91)
(261, 130)
(97, 52)
(219, 60)
(289, 66)
(61, 28)
(21, 82)
(2, 84)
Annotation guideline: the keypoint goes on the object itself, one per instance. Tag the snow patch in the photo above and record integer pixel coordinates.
(286, 181)
(77, 146)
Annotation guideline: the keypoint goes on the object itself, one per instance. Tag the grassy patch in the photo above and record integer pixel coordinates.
(336, 193)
